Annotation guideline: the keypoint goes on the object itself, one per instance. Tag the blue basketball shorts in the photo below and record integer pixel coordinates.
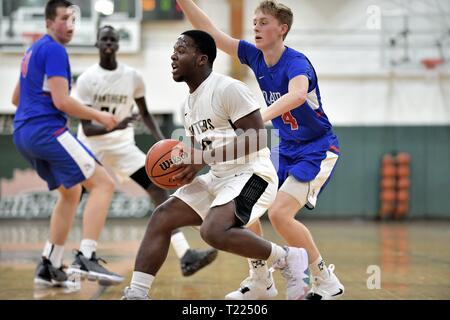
(312, 162)
(55, 153)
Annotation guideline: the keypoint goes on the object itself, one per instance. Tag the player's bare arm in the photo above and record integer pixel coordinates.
(59, 90)
(201, 21)
(296, 96)
(16, 95)
(91, 129)
(251, 133)
(148, 119)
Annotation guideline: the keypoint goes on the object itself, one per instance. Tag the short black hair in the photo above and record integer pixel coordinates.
(52, 6)
(204, 42)
(105, 27)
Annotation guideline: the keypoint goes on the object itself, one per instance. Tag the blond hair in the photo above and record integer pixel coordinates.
(279, 11)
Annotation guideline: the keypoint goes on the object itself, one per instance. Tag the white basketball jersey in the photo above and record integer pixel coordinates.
(210, 113)
(113, 91)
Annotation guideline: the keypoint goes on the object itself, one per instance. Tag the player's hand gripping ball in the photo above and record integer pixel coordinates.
(160, 161)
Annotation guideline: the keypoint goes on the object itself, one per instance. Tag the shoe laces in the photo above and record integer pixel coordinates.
(331, 268)
(289, 276)
(286, 272)
(246, 283)
(97, 259)
(255, 278)
(63, 267)
(93, 258)
(318, 280)
(130, 294)
(281, 263)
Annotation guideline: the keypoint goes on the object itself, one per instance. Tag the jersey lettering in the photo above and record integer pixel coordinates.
(110, 98)
(271, 97)
(201, 126)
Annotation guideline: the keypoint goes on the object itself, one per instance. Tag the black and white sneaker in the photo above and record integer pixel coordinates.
(194, 260)
(326, 289)
(93, 270)
(255, 288)
(47, 275)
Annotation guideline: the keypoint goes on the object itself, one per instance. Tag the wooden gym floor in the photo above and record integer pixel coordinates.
(413, 259)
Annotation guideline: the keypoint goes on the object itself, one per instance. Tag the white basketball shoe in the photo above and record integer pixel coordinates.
(133, 294)
(294, 268)
(255, 288)
(326, 289)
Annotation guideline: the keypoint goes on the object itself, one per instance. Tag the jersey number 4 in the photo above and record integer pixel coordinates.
(289, 119)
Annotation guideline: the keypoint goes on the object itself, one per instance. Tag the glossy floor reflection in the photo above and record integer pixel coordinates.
(374, 260)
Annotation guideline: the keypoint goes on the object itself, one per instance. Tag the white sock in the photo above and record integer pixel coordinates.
(141, 282)
(180, 244)
(54, 253)
(87, 247)
(277, 253)
(318, 268)
(258, 268)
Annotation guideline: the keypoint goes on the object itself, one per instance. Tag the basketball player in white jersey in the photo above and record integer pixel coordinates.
(114, 87)
(222, 115)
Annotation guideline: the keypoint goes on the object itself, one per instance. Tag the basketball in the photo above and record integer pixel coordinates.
(160, 160)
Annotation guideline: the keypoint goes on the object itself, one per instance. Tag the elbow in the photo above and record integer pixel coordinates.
(300, 98)
(59, 104)
(87, 132)
(15, 98)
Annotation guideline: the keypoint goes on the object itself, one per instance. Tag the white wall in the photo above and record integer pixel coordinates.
(358, 87)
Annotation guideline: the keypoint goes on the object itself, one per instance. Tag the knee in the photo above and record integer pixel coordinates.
(214, 236)
(157, 194)
(276, 217)
(71, 195)
(108, 183)
(102, 181)
(159, 219)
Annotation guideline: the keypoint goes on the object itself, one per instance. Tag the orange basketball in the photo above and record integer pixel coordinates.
(160, 160)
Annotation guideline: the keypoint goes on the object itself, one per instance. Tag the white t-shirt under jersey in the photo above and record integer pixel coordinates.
(210, 112)
(113, 91)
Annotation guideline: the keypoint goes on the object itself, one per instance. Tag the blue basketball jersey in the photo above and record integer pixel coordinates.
(305, 123)
(44, 59)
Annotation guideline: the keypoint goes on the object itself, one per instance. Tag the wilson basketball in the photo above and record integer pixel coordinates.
(160, 162)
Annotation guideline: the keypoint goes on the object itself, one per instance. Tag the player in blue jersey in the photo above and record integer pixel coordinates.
(42, 136)
(308, 149)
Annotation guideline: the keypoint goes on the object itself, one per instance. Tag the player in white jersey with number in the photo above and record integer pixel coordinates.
(222, 115)
(308, 149)
(115, 87)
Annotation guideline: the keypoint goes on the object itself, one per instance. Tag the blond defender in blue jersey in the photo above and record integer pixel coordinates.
(308, 150)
